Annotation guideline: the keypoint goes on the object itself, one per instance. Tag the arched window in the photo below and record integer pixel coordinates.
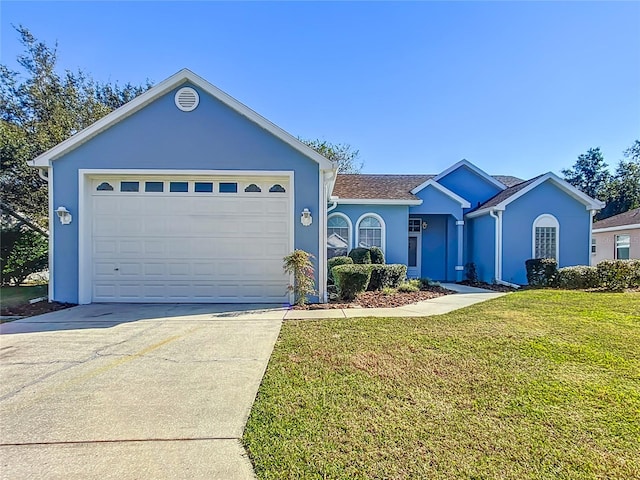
(338, 235)
(371, 231)
(546, 237)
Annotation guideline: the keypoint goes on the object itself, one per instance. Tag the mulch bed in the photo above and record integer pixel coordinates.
(29, 309)
(380, 300)
(488, 286)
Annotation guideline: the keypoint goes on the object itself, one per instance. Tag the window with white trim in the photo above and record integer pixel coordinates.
(545, 237)
(370, 232)
(338, 236)
(623, 245)
(414, 225)
(594, 245)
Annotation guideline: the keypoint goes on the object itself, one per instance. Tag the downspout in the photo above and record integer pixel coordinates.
(593, 214)
(498, 253)
(334, 203)
(42, 175)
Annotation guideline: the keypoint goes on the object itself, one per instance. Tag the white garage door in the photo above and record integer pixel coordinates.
(213, 239)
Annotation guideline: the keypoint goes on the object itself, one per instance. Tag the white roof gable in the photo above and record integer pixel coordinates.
(183, 76)
(432, 183)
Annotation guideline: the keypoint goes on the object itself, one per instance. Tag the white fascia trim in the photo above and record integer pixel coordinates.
(383, 233)
(590, 203)
(183, 76)
(373, 201)
(464, 203)
(472, 167)
(349, 223)
(484, 211)
(616, 229)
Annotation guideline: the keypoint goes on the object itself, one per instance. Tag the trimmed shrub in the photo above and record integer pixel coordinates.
(410, 286)
(360, 256)
(578, 277)
(619, 274)
(390, 275)
(351, 280)
(426, 282)
(541, 271)
(334, 262)
(377, 257)
(471, 273)
(23, 252)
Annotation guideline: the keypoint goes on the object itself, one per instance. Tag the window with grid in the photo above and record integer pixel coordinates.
(414, 225)
(594, 245)
(337, 236)
(623, 244)
(370, 233)
(545, 242)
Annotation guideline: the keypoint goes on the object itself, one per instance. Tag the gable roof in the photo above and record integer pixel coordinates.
(630, 218)
(464, 203)
(481, 173)
(504, 198)
(182, 77)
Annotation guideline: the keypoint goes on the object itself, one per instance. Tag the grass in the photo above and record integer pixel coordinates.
(10, 296)
(539, 384)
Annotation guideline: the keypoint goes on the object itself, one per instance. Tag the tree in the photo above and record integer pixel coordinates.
(589, 174)
(622, 193)
(40, 108)
(348, 160)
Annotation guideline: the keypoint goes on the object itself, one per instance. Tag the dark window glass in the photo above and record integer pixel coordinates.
(204, 187)
(277, 188)
(153, 186)
(228, 187)
(129, 186)
(253, 188)
(105, 187)
(179, 187)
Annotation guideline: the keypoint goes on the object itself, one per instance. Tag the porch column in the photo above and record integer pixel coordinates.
(459, 265)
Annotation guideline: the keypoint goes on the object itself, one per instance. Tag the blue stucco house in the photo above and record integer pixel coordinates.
(186, 195)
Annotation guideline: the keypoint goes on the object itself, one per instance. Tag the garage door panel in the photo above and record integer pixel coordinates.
(190, 247)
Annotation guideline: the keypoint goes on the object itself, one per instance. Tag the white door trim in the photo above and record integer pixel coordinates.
(416, 272)
(85, 263)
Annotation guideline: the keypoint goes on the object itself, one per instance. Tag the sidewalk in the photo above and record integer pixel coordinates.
(436, 306)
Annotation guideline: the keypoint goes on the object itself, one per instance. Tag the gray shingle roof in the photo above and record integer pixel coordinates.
(503, 195)
(630, 217)
(389, 187)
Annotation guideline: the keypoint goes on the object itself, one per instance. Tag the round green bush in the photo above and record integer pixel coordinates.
(351, 280)
(360, 256)
(377, 257)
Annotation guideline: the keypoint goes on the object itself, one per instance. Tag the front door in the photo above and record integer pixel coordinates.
(414, 263)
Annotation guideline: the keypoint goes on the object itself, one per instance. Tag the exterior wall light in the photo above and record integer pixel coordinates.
(306, 219)
(424, 225)
(64, 215)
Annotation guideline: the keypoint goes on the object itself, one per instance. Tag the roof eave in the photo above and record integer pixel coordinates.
(377, 201)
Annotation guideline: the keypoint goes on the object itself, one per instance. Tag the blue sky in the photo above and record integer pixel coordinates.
(516, 88)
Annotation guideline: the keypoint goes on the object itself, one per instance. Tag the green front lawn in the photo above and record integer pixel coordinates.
(539, 384)
(10, 296)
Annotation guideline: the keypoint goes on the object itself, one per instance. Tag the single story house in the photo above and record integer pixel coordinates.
(616, 237)
(185, 194)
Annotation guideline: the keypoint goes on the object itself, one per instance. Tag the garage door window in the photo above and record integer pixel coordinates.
(129, 186)
(253, 188)
(204, 187)
(153, 186)
(105, 187)
(228, 187)
(179, 187)
(277, 188)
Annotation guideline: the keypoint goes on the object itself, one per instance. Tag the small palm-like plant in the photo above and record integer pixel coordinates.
(299, 264)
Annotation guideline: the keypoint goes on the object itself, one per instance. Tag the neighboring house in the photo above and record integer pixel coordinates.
(186, 195)
(616, 237)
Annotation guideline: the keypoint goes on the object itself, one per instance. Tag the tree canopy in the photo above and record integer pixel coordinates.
(620, 191)
(347, 159)
(40, 108)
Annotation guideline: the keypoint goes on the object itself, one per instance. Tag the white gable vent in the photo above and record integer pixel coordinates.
(187, 99)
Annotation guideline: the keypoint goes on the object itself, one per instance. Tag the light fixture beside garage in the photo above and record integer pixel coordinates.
(187, 99)
(64, 215)
(306, 218)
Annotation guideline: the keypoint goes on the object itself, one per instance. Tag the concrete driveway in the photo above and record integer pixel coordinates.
(131, 391)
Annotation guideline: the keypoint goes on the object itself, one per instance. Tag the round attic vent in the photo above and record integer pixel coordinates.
(187, 99)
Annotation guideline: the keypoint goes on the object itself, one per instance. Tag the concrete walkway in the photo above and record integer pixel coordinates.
(156, 391)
